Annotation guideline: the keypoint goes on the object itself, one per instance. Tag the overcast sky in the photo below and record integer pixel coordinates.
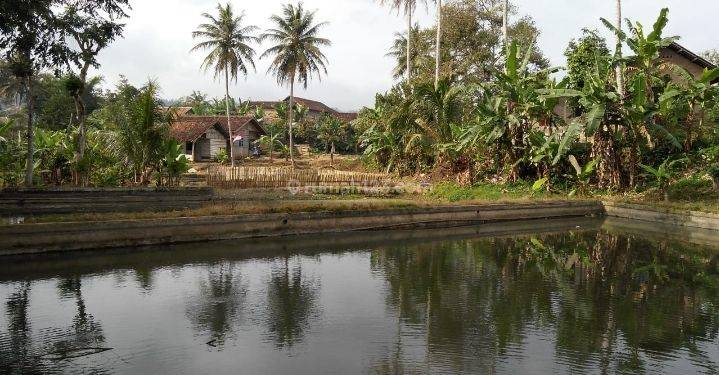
(157, 41)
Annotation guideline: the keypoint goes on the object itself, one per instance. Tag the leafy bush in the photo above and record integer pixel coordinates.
(222, 157)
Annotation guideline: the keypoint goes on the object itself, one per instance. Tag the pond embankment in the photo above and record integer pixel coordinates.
(110, 228)
(18, 202)
(67, 236)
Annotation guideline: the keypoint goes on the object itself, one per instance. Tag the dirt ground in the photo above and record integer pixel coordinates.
(351, 163)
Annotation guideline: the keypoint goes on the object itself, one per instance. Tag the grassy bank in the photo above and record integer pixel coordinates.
(694, 194)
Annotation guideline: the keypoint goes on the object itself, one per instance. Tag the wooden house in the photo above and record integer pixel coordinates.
(204, 136)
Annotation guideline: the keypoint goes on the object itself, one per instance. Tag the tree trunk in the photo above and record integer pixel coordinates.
(332, 155)
(505, 23)
(30, 136)
(409, 42)
(618, 70)
(289, 122)
(81, 118)
(438, 46)
(227, 110)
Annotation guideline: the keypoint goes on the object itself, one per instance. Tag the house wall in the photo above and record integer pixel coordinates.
(668, 55)
(202, 149)
(249, 135)
(217, 142)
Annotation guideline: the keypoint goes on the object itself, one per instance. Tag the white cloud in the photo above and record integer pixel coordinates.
(157, 41)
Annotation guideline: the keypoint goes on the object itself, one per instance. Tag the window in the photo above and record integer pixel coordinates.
(188, 147)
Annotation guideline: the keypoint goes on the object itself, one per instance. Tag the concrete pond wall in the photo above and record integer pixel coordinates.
(18, 202)
(49, 237)
(693, 227)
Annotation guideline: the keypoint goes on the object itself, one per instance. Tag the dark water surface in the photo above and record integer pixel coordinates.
(555, 297)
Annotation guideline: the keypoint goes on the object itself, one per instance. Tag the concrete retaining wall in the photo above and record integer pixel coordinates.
(664, 216)
(18, 202)
(47, 237)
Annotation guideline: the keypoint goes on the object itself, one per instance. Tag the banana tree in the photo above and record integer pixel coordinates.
(663, 174)
(548, 150)
(271, 141)
(511, 106)
(602, 117)
(643, 81)
(694, 96)
(174, 162)
(583, 174)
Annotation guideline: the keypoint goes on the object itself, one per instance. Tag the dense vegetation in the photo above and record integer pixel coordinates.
(516, 121)
(57, 127)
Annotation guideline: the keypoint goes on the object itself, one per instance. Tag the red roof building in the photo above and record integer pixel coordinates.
(205, 136)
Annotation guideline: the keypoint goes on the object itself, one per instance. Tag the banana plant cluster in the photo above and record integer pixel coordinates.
(508, 126)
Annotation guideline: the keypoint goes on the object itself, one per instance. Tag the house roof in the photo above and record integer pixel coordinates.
(691, 56)
(346, 116)
(266, 104)
(178, 111)
(312, 105)
(190, 128)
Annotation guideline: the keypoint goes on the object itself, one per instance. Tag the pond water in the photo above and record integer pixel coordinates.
(567, 297)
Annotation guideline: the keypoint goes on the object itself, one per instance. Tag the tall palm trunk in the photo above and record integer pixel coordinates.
(409, 42)
(618, 72)
(227, 110)
(505, 23)
(30, 136)
(290, 119)
(81, 119)
(438, 44)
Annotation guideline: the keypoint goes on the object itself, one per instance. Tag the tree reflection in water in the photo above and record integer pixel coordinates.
(218, 306)
(291, 303)
(26, 352)
(16, 344)
(85, 332)
(596, 293)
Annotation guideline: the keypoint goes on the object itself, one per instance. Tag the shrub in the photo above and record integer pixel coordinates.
(222, 157)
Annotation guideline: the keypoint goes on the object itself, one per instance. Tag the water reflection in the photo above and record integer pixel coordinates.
(84, 333)
(216, 310)
(599, 294)
(24, 351)
(291, 303)
(15, 352)
(579, 301)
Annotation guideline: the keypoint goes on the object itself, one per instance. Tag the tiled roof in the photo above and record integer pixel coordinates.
(312, 105)
(347, 116)
(178, 111)
(189, 128)
(264, 104)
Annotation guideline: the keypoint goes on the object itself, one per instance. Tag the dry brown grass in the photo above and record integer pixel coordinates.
(240, 208)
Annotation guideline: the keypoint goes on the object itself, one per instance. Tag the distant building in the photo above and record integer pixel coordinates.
(680, 56)
(675, 54)
(315, 109)
(204, 136)
(178, 111)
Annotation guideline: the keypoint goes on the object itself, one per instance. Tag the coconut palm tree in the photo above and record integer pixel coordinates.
(230, 54)
(296, 54)
(438, 45)
(408, 6)
(505, 23)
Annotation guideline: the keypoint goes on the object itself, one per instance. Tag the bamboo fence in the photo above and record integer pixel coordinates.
(280, 177)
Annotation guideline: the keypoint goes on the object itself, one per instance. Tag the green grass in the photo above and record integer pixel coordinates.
(693, 192)
(452, 192)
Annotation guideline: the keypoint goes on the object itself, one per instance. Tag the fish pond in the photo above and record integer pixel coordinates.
(561, 296)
